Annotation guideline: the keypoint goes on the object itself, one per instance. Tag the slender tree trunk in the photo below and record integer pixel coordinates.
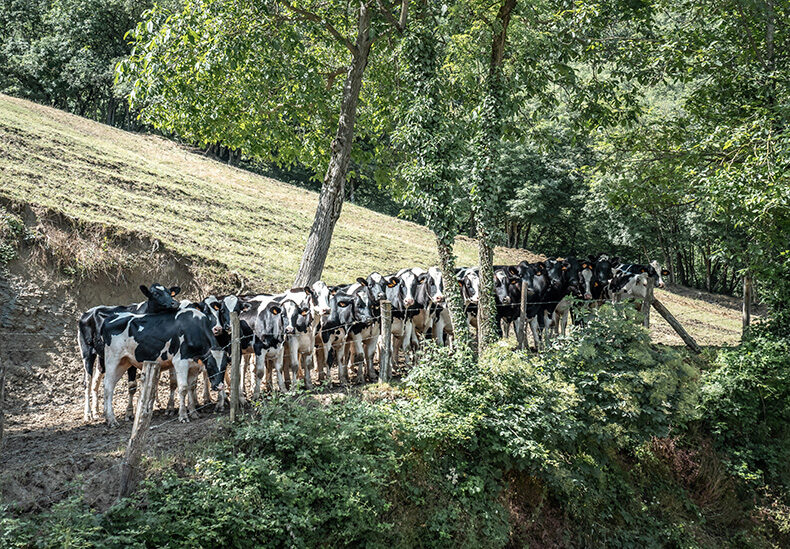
(747, 303)
(330, 201)
(454, 300)
(485, 199)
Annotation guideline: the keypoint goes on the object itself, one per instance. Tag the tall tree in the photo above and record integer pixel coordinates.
(260, 76)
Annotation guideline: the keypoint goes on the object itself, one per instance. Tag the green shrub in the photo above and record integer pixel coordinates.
(746, 403)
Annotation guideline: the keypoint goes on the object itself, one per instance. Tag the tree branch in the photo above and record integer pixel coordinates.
(310, 16)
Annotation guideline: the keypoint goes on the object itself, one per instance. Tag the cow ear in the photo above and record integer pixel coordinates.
(392, 281)
(422, 278)
(541, 265)
(146, 291)
(512, 270)
(362, 281)
(175, 290)
(460, 282)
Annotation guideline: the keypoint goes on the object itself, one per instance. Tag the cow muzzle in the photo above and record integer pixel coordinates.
(408, 302)
(587, 296)
(216, 330)
(661, 285)
(289, 330)
(439, 298)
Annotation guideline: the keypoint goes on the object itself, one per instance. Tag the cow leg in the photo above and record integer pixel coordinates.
(111, 376)
(533, 324)
(88, 361)
(260, 370)
(244, 367)
(278, 367)
(132, 375)
(564, 321)
(192, 383)
(181, 369)
(308, 366)
(370, 351)
(206, 387)
(170, 410)
(340, 356)
(95, 384)
(359, 350)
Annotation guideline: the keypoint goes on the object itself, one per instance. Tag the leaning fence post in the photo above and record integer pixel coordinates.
(385, 358)
(142, 419)
(522, 335)
(647, 302)
(235, 364)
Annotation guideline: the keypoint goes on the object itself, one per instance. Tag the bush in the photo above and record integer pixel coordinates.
(746, 404)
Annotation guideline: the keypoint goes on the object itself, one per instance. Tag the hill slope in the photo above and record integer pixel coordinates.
(228, 219)
(200, 208)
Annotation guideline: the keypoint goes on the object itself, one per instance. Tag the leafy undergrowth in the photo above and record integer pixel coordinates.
(603, 441)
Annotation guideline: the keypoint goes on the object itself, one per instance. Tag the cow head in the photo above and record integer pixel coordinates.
(501, 287)
(364, 305)
(231, 304)
(555, 273)
(161, 298)
(470, 286)
(436, 285)
(341, 312)
(409, 280)
(320, 298)
(212, 308)
(586, 275)
(296, 317)
(658, 277)
(378, 286)
(270, 325)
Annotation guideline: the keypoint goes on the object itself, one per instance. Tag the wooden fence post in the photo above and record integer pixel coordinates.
(2, 400)
(647, 302)
(385, 357)
(522, 335)
(747, 302)
(235, 364)
(142, 419)
(684, 335)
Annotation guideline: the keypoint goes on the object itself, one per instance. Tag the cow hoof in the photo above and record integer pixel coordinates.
(184, 419)
(112, 423)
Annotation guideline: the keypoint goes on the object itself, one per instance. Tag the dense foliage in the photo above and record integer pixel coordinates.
(570, 433)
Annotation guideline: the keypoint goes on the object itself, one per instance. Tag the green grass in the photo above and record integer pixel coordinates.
(235, 220)
(198, 207)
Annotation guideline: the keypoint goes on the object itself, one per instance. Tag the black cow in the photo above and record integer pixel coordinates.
(653, 270)
(181, 338)
(333, 332)
(267, 319)
(91, 345)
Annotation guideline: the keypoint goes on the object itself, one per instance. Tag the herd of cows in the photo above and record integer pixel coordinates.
(322, 325)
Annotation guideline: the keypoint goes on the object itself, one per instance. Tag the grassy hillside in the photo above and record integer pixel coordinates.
(237, 221)
(200, 208)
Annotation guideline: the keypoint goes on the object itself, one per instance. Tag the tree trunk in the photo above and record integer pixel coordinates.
(485, 198)
(454, 301)
(747, 303)
(486, 310)
(330, 201)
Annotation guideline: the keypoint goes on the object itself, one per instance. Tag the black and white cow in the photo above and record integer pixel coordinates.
(91, 344)
(630, 286)
(363, 335)
(267, 319)
(333, 333)
(507, 293)
(299, 334)
(653, 270)
(603, 272)
(441, 322)
(182, 338)
(469, 281)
